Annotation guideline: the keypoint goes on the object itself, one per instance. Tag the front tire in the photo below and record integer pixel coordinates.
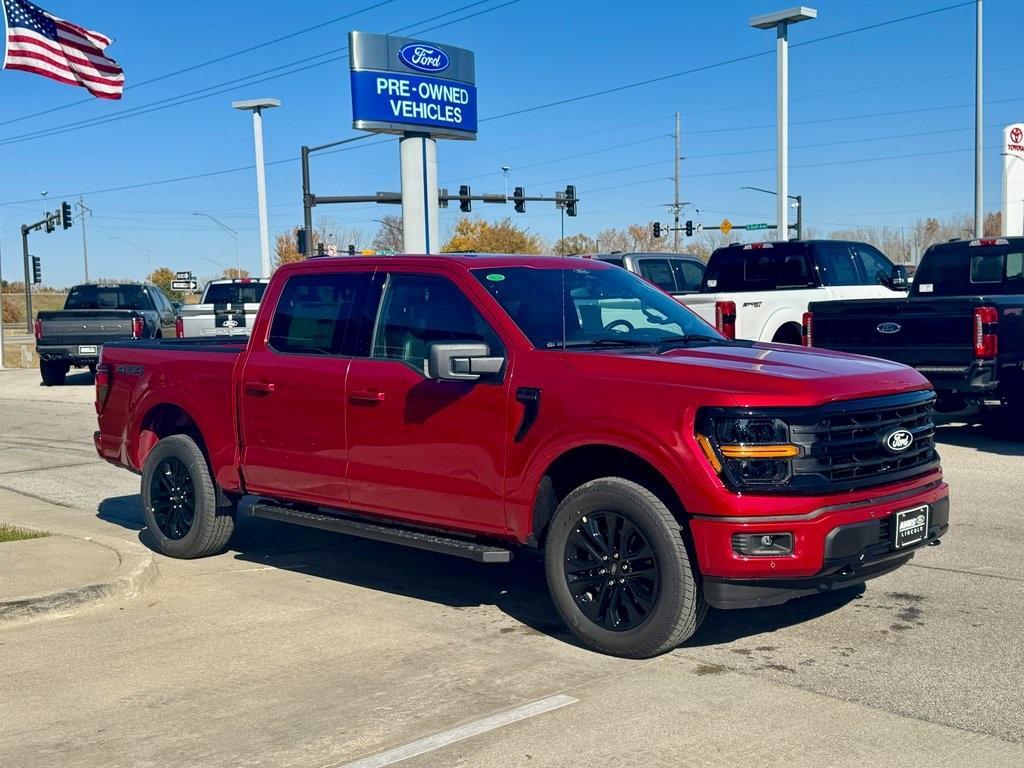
(53, 372)
(618, 570)
(179, 501)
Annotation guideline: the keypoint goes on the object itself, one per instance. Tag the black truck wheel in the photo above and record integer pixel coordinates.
(53, 372)
(619, 572)
(179, 501)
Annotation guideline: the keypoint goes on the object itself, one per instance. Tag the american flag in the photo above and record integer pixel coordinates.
(39, 42)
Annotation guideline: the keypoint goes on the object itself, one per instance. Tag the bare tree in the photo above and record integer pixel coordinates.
(390, 235)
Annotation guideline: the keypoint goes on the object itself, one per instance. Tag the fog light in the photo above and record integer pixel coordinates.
(762, 544)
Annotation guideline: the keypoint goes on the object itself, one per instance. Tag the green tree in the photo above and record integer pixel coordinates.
(162, 277)
(575, 244)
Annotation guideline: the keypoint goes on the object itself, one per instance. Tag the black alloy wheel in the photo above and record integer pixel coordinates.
(173, 498)
(611, 571)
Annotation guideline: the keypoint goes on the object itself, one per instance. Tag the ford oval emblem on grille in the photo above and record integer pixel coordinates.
(899, 440)
(889, 327)
(423, 58)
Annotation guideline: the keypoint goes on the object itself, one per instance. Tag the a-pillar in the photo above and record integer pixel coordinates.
(420, 227)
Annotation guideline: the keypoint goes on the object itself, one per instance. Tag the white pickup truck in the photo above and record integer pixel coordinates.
(227, 308)
(760, 291)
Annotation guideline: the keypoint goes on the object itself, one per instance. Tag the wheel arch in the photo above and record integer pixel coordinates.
(590, 461)
(790, 332)
(163, 420)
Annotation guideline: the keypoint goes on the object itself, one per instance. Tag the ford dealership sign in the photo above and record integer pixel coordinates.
(423, 58)
(406, 86)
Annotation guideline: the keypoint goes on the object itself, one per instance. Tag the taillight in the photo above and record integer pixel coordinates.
(985, 342)
(102, 386)
(38, 328)
(138, 327)
(807, 330)
(179, 327)
(725, 318)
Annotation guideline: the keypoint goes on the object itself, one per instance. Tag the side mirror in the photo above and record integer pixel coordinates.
(898, 280)
(461, 362)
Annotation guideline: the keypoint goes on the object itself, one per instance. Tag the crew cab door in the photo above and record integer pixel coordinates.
(420, 448)
(292, 390)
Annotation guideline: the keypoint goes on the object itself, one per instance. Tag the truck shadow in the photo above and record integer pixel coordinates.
(81, 378)
(518, 589)
(982, 432)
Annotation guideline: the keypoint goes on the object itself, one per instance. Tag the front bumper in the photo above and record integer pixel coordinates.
(833, 547)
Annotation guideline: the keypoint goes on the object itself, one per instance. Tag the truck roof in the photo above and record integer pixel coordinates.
(464, 260)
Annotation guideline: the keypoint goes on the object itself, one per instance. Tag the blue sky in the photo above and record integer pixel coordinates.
(903, 91)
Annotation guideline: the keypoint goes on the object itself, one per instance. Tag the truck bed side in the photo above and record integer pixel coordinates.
(157, 387)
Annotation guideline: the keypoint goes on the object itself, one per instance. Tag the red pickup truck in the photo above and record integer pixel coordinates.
(478, 405)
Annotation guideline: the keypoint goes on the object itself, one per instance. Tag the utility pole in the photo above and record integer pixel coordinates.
(28, 280)
(82, 210)
(675, 227)
(979, 214)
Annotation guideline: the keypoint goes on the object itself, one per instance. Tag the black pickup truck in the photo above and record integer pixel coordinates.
(962, 326)
(93, 315)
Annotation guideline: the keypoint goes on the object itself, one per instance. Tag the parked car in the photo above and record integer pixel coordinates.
(476, 405)
(226, 308)
(962, 325)
(760, 291)
(94, 315)
(675, 273)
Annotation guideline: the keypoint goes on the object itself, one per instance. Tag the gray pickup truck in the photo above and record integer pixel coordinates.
(674, 273)
(94, 315)
(227, 308)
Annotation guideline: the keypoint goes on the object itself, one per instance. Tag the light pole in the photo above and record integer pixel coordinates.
(230, 231)
(979, 213)
(504, 172)
(798, 204)
(256, 106)
(780, 21)
(149, 253)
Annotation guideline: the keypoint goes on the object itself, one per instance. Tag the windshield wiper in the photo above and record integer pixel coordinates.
(668, 345)
(606, 343)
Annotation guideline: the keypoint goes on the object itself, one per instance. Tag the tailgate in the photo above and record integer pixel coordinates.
(85, 326)
(219, 319)
(925, 332)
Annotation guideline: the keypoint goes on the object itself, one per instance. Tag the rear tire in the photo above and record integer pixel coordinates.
(617, 530)
(53, 372)
(180, 501)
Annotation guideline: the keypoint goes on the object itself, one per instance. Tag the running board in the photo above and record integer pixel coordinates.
(418, 539)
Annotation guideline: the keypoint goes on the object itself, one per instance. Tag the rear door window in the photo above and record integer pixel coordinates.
(659, 272)
(324, 315)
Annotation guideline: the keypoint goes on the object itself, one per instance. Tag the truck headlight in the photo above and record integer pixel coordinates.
(747, 451)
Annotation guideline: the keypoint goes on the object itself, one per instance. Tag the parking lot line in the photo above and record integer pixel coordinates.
(467, 731)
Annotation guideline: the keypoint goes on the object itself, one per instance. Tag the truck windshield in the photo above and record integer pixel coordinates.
(234, 293)
(599, 306)
(108, 297)
(960, 269)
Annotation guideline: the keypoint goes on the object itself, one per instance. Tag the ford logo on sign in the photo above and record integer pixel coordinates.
(889, 327)
(899, 440)
(423, 58)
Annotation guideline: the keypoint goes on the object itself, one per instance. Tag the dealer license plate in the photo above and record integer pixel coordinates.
(910, 526)
(87, 349)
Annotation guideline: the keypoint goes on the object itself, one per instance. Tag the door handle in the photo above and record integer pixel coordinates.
(367, 396)
(259, 388)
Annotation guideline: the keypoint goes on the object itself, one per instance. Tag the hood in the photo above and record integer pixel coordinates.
(759, 374)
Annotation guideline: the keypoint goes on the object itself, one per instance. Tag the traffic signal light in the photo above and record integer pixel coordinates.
(689, 228)
(570, 200)
(300, 238)
(351, 250)
(65, 215)
(37, 271)
(50, 226)
(517, 198)
(657, 229)
(465, 204)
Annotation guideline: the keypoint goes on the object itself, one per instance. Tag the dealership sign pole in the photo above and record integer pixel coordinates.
(421, 92)
(1013, 180)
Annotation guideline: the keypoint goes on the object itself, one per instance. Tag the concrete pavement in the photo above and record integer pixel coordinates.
(300, 648)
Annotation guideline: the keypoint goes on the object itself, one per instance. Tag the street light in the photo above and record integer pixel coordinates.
(798, 204)
(149, 253)
(230, 231)
(780, 21)
(256, 106)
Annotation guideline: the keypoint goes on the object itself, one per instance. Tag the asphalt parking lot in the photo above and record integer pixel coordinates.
(303, 648)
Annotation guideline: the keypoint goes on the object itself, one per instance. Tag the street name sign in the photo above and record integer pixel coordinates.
(184, 285)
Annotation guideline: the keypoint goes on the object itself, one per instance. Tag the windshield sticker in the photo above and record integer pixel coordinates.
(712, 283)
(495, 277)
(925, 288)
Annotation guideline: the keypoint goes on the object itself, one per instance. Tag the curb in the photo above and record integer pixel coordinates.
(135, 571)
